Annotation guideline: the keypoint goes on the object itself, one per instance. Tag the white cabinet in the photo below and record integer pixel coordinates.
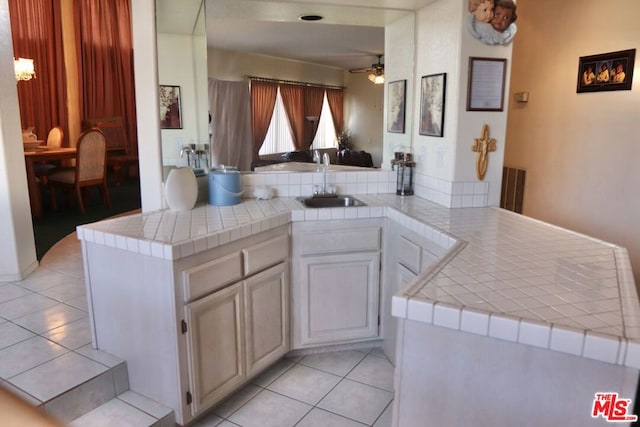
(406, 256)
(336, 282)
(234, 333)
(215, 346)
(266, 317)
(340, 297)
(192, 330)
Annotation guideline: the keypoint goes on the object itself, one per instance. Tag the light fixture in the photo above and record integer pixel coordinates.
(377, 77)
(24, 69)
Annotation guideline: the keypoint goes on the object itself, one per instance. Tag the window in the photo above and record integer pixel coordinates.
(279, 138)
(326, 134)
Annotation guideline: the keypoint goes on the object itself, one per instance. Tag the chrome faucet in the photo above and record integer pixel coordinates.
(325, 166)
(189, 152)
(316, 158)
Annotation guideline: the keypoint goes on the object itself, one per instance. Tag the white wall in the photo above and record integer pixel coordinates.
(581, 150)
(230, 65)
(176, 67)
(17, 252)
(364, 114)
(438, 39)
(399, 47)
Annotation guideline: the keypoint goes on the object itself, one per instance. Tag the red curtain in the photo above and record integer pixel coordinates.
(105, 62)
(293, 100)
(36, 27)
(313, 98)
(335, 98)
(263, 99)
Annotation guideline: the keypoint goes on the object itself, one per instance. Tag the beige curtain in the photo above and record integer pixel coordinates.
(335, 98)
(263, 100)
(231, 139)
(313, 98)
(293, 100)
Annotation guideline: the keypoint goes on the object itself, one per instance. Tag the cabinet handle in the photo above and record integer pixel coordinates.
(184, 327)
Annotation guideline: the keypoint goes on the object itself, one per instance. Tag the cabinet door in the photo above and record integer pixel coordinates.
(266, 317)
(403, 277)
(215, 346)
(339, 296)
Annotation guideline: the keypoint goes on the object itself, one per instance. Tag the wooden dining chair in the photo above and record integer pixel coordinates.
(90, 170)
(43, 170)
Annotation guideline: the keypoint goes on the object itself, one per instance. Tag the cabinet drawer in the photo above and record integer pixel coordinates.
(210, 276)
(339, 240)
(266, 254)
(409, 254)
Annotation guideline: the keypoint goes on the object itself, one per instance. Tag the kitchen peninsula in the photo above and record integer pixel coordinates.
(506, 294)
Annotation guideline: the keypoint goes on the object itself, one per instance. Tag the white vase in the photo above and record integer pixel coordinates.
(181, 189)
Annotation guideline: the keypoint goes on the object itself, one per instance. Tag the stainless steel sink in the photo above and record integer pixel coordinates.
(330, 202)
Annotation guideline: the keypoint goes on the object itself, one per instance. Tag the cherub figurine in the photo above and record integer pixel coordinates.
(500, 28)
(482, 10)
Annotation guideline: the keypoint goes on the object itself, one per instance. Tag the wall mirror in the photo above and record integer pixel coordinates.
(237, 38)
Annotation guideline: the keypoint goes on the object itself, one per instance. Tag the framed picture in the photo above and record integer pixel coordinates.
(607, 71)
(170, 112)
(486, 84)
(432, 92)
(395, 115)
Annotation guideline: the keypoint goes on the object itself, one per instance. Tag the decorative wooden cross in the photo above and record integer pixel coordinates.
(483, 146)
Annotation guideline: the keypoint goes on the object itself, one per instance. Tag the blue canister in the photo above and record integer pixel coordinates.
(225, 188)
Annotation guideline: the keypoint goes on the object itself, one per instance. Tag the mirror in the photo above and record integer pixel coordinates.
(225, 60)
(182, 63)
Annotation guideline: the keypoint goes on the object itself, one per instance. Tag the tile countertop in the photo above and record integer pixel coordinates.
(505, 275)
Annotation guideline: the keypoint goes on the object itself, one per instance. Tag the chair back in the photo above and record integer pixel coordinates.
(90, 164)
(54, 139)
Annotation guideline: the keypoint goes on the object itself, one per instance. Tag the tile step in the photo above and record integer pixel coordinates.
(129, 409)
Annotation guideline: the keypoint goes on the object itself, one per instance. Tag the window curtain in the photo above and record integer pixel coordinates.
(293, 99)
(37, 34)
(105, 62)
(263, 99)
(231, 141)
(335, 98)
(313, 98)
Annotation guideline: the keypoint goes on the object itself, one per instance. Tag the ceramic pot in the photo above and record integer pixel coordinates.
(181, 189)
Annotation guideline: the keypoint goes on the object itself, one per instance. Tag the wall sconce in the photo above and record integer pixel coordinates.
(377, 78)
(24, 69)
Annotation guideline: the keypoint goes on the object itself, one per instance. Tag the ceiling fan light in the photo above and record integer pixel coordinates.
(377, 79)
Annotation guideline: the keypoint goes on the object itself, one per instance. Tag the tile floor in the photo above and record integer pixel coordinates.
(347, 388)
(45, 349)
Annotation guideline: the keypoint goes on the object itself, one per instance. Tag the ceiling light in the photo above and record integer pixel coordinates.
(376, 78)
(311, 17)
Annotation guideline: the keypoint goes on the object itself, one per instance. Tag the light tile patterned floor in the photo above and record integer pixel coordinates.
(45, 349)
(347, 388)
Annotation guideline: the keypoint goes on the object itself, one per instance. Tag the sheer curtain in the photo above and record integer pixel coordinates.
(279, 138)
(293, 99)
(36, 26)
(263, 99)
(231, 140)
(105, 55)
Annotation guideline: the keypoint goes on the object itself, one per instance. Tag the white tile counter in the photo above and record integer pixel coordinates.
(505, 276)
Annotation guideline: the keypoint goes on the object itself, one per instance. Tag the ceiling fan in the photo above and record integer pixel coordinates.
(376, 70)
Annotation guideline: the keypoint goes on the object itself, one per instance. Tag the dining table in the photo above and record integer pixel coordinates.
(37, 155)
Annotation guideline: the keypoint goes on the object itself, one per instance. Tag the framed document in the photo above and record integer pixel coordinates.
(486, 84)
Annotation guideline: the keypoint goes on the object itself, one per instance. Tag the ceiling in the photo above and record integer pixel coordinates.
(350, 35)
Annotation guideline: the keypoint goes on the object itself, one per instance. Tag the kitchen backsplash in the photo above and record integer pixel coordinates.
(292, 184)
